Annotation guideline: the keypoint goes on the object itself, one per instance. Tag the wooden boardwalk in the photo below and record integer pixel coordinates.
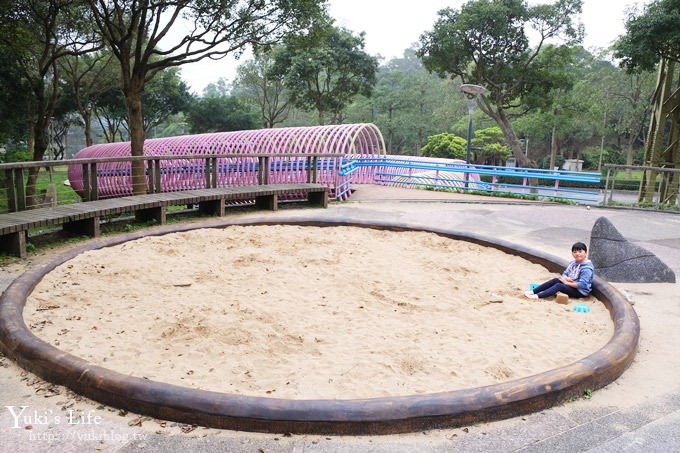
(84, 218)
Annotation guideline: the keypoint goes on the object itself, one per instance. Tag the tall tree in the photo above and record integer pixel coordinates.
(325, 70)
(88, 77)
(15, 98)
(486, 42)
(41, 32)
(256, 83)
(138, 33)
(651, 38)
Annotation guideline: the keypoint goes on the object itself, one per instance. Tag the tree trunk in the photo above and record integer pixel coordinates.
(133, 101)
(510, 138)
(39, 133)
(496, 112)
(632, 137)
(87, 120)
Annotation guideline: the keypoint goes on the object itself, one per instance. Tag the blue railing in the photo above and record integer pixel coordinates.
(447, 174)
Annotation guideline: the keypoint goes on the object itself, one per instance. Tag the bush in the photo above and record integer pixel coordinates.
(16, 155)
(449, 146)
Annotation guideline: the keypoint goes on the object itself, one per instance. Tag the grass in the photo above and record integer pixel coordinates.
(65, 194)
(635, 175)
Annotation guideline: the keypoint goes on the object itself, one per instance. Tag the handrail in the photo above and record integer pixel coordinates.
(450, 174)
(642, 167)
(208, 170)
(89, 160)
(664, 195)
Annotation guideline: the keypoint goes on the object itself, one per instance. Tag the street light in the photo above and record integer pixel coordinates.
(471, 92)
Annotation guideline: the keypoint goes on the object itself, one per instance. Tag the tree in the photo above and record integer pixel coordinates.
(138, 33)
(40, 33)
(651, 37)
(445, 145)
(631, 94)
(490, 146)
(486, 43)
(256, 83)
(111, 114)
(15, 98)
(88, 77)
(220, 114)
(165, 95)
(654, 38)
(325, 70)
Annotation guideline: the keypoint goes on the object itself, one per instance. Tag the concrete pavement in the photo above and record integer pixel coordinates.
(638, 412)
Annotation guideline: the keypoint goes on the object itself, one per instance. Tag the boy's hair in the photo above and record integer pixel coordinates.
(579, 246)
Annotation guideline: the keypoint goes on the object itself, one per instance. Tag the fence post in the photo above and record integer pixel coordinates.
(153, 176)
(312, 163)
(263, 170)
(210, 172)
(90, 190)
(16, 190)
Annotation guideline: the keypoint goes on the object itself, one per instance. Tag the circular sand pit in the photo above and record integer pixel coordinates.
(308, 329)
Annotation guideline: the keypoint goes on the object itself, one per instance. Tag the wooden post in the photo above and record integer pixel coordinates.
(16, 190)
(157, 174)
(90, 189)
(263, 170)
(312, 170)
(86, 182)
(213, 171)
(153, 170)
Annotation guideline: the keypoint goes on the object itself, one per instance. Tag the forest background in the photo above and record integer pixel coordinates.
(577, 104)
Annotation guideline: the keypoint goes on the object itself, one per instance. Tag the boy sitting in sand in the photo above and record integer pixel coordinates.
(576, 280)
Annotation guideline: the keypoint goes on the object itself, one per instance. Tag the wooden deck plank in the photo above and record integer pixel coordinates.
(80, 216)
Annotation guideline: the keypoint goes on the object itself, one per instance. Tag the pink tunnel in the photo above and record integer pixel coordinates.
(350, 140)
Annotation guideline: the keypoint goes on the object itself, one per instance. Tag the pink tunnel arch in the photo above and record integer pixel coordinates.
(350, 140)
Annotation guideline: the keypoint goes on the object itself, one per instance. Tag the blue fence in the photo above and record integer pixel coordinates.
(448, 174)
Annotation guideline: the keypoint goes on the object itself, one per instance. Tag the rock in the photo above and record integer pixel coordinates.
(618, 260)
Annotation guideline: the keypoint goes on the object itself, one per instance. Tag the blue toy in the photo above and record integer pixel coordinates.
(581, 308)
(533, 286)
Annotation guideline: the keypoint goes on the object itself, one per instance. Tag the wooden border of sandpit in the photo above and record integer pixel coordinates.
(382, 415)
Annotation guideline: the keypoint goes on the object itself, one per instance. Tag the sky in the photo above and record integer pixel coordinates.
(391, 26)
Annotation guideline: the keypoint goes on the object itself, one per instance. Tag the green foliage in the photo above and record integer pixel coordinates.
(258, 85)
(14, 97)
(16, 155)
(166, 94)
(486, 43)
(490, 147)
(651, 36)
(325, 70)
(445, 145)
(220, 114)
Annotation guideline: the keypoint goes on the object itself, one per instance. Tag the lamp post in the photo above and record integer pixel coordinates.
(471, 92)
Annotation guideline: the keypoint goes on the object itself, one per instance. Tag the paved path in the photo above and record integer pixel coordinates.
(640, 412)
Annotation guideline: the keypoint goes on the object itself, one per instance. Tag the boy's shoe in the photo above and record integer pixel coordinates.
(531, 295)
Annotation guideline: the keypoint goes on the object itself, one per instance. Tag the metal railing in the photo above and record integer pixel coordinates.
(448, 174)
(662, 191)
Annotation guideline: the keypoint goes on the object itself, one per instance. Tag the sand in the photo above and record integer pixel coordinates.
(308, 312)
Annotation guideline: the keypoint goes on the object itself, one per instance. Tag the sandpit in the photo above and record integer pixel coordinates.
(303, 312)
